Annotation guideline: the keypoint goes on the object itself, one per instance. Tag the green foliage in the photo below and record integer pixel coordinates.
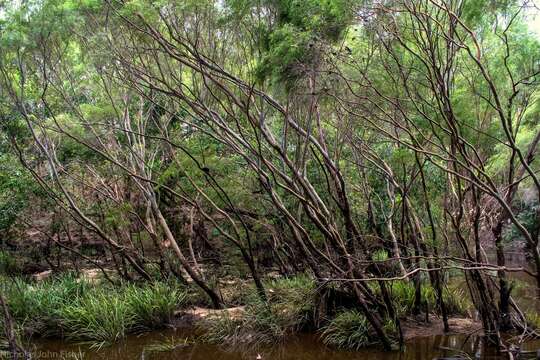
(70, 307)
(457, 300)
(288, 49)
(293, 296)
(533, 319)
(292, 43)
(154, 304)
(528, 217)
(101, 317)
(289, 307)
(349, 330)
(479, 11)
(403, 296)
(16, 189)
(375, 105)
(8, 263)
(34, 305)
(116, 215)
(380, 255)
(73, 149)
(224, 329)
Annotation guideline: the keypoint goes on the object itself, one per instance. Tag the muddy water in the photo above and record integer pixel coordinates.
(305, 347)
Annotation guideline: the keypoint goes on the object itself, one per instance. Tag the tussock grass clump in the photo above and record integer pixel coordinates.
(75, 309)
(100, 316)
(107, 314)
(456, 300)
(348, 330)
(224, 329)
(403, 295)
(34, 305)
(289, 307)
(154, 305)
(533, 319)
(292, 300)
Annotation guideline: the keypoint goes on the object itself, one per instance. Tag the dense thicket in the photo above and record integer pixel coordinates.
(357, 141)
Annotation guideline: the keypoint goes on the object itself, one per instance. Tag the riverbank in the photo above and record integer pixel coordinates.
(66, 309)
(88, 308)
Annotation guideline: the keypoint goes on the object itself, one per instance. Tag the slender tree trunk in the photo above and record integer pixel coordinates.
(216, 300)
(15, 349)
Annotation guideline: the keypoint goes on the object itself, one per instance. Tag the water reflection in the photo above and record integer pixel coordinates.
(306, 347)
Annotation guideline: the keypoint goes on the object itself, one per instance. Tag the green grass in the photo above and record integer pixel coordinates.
(8, 264)
(225, 330)
(167, 345)
(289, 307)
(403, 296)
(100, 317)
(348, 330)
(456, 300)
(533, 319)
(154, 304)
(34, 305)
(75, 309)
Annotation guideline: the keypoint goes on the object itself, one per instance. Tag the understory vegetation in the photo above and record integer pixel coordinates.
(73, 308)
(289, 308)
(100, 313)
(292, 306)
(403, 295)
(349, 330)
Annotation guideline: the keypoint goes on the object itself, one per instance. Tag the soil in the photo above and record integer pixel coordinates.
(413, 328)
(194, 315)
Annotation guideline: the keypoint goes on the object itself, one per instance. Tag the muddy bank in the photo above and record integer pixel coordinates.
(413, 329)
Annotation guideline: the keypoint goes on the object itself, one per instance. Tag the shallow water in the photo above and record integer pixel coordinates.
(305, 347)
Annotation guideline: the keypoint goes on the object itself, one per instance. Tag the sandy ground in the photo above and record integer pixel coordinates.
(413, 328)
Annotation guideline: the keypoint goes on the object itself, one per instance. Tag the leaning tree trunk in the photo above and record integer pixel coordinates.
(216, 300)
